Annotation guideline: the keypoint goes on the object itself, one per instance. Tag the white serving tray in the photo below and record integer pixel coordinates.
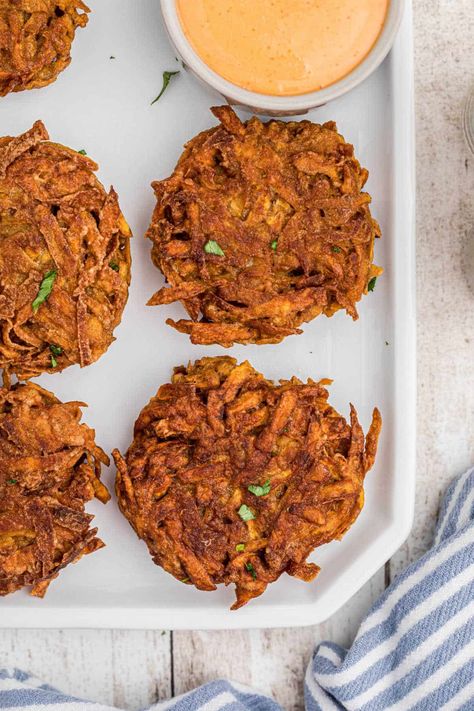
(103, 105)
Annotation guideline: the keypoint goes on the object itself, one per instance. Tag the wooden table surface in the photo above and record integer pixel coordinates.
(131, 669)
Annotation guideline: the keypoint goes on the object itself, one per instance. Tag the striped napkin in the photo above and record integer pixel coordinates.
(414, 650)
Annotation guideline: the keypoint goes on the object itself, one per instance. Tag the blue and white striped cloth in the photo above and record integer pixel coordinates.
(414, 650)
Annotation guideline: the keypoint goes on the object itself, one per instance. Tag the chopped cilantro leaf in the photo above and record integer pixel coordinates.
(260, 490)
(245, 513)
(55, 350)
(54, 362)
(371, 284)
(167, 76)
(114, 266)
(82, 152)
(251, 570)
(44, 290)
(274, 244)
(336, 250)
(212, 247)
(10, 482)
(240, 547)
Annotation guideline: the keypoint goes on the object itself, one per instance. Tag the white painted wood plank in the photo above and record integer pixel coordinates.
(141, 667)
(128, 669)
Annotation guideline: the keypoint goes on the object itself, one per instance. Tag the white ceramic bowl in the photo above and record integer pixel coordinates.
(280, 105)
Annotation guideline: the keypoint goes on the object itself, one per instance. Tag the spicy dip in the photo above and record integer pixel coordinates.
(282, 47)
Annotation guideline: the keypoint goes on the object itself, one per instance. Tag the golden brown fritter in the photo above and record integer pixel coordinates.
(49, 468)
(261, 227)
(233, 479)
(64, 257)
(35, 40)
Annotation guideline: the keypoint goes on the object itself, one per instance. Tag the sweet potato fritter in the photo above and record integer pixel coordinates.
(35, 40)
(64, 257)
(233, 479)
(49, 468)
(261, 227)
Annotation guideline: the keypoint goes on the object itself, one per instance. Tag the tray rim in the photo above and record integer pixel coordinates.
(193, 618)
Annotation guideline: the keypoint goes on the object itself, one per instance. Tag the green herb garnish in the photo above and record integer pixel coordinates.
(260, 490)
(44, 290)
(371, 284)
(185, 580)
(212, 247)
(55, 351)
(251, 569)
(274, 244)
(10, 482)
(240, 547)
(166, 80)
(245, 513)
(114, 266)
(82, 152)
(336, 250)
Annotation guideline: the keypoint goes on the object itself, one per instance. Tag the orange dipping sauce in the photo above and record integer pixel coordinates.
(282, 47)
